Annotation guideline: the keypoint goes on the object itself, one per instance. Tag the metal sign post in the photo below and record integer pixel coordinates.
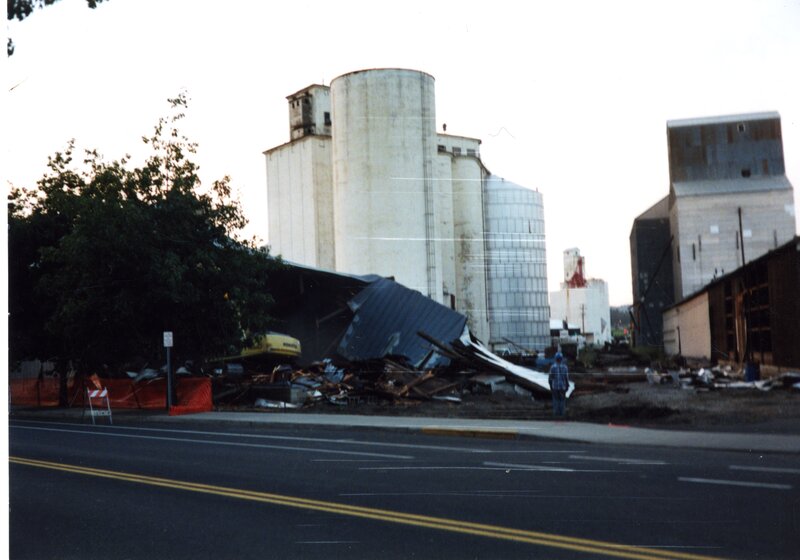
(168, 345)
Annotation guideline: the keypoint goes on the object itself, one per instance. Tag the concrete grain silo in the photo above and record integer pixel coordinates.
(384, 192)
(468, 230)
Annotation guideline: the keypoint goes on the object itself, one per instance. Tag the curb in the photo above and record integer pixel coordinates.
(612, 434)
(470, 432)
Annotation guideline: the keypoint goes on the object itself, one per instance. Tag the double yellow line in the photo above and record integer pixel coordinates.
(492, 531)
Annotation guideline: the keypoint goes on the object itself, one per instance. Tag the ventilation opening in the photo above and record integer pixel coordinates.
(746, 173)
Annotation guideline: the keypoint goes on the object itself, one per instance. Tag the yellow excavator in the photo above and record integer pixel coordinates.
(268, 350)
(274, 344)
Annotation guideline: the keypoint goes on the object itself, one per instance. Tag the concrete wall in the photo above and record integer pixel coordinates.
(458, 145)
(445, 224)
(300, 203)
(307, 112)
(705, 232)
(687, 328)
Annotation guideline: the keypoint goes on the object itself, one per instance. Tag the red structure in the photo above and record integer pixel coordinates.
(577, 280)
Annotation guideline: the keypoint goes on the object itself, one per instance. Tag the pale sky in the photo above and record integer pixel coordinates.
(569, 98)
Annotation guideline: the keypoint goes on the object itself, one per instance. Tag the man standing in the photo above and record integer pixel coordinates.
(559, 384)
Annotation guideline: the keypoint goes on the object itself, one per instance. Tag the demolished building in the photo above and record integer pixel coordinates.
(361, 320)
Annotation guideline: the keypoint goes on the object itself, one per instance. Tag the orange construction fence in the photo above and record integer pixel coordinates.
(193, 394)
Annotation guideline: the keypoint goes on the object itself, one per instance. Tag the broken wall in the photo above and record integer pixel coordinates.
(687, 328)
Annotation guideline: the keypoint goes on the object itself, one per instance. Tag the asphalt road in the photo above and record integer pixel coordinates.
(159, 491)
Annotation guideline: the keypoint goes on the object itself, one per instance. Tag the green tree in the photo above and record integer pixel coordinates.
(103, 260)
(20, 9)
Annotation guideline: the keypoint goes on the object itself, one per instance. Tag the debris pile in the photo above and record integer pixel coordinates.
(324, 382)
(472, 369)
(720, 378)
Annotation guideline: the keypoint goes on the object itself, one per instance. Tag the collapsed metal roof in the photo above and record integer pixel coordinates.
(386, 319)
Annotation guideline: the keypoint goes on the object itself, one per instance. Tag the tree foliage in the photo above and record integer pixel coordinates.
(20, 9)
(104, 259)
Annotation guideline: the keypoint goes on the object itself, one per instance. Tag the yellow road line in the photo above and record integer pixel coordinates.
(440, 523)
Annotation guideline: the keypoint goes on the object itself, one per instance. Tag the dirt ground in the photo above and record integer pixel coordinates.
(636, 404)
(642, 404)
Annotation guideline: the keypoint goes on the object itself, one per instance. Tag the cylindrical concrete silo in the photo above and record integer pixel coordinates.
(516, 265)
(384, 148)
(470, 247)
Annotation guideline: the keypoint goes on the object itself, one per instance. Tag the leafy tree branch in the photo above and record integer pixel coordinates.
(103, 258)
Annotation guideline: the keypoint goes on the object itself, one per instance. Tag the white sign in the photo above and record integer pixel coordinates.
(167, 339)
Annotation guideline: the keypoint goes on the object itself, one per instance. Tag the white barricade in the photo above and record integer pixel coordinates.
(102, 395)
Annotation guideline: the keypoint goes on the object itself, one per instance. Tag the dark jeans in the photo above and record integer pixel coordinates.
(559, 403)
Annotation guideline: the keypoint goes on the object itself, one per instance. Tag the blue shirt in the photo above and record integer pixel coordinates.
(559, 377)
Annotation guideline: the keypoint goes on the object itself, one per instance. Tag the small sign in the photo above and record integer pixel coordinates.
(167, 339)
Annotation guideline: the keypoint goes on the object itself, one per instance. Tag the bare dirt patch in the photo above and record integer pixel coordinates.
(643, 404)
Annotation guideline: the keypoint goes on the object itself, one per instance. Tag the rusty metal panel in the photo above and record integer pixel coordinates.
(756, 309)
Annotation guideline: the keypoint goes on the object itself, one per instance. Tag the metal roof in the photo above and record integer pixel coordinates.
(306, 89)
(387, 317)
(448, 135)
(731, 186)
(723, 119)
(496, 182)
(366, 278)
(657, 211)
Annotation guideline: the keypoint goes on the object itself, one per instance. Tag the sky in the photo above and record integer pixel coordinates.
(569, 98)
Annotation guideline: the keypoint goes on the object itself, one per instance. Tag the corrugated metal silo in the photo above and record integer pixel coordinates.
(384, 148)
(516, 265)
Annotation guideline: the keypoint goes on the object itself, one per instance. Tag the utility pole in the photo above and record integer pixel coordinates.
(745, 295)
(741, 235)
(168, 345)
(583, 319)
